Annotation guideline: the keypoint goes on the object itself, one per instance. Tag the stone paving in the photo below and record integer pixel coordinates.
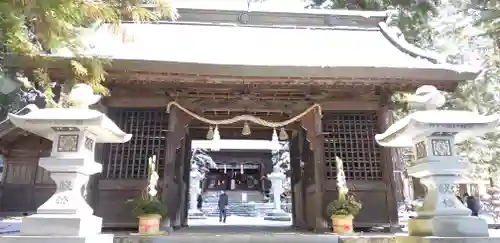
(232, 233)
(231, 238)
(236, 230)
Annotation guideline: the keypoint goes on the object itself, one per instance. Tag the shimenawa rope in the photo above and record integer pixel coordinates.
(249, 118)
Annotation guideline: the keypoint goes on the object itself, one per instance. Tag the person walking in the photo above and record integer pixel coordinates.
(199, 205)
(472, 204)
(223, 202)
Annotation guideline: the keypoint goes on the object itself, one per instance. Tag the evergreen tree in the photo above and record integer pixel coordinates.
(490, 19)
(466, 33)
(203, 160)
(412, 16)
(456, 36)
(34, 29)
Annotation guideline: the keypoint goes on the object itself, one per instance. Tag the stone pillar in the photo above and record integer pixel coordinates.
(439, 169)
(276, 178)
(194, 190)
(440, 175)
(277, 188)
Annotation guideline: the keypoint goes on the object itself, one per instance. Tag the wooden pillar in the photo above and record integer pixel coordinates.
(186, 168)
(298, 216)
(312, 123)
(177, 128)
(384, 121)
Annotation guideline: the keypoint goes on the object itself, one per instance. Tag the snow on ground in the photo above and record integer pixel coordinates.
(238, 221)
(9, 226)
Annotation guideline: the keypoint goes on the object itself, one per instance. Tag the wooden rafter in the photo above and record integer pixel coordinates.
(400, 84)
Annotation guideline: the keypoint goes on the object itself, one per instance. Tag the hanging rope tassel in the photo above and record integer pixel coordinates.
(210, 133)
(246, 129)
(283, 134)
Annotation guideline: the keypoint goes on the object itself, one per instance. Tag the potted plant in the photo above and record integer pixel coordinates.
(148, 208)
(342, 210)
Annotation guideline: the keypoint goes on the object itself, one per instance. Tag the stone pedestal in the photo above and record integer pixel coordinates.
(434, 239)
(433, 134)
(277, 214)
(66, 217)
(400, 238)
(194, 191)
(96, 238)
(442, 214)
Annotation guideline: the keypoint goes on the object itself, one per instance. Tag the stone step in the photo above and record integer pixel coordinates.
(243, 209)
(235, 196)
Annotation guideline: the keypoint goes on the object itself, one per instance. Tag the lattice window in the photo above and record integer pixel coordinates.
(149, 131)
(351, 136)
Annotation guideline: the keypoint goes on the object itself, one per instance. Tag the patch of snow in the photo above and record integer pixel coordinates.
(238, 221)
(10, 226)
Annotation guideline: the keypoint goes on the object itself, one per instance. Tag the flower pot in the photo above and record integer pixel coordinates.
(342, 224)
(149, 224)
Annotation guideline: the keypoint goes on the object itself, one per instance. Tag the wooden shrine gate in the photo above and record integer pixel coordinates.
(315, 141)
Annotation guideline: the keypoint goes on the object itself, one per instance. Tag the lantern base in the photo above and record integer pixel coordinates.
(434, 239)
(98, 238)
(448, 226)
(60, 225)
(196, 214)
(277, 215)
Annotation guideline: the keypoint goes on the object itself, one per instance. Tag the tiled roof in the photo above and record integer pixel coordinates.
(316, 39)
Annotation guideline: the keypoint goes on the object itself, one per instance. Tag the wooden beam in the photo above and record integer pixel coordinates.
(141, 77)
(136, 101)
(233, 133)
(349, 105)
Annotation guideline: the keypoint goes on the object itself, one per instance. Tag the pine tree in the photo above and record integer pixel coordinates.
(464, 43)
(412, 16)
(203, 160)
(490, 19)
(466, 33)
(34, 29)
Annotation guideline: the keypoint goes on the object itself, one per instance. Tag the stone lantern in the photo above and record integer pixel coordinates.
(276, 178)
(195, 177)
(433, 134)
(66, 216)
